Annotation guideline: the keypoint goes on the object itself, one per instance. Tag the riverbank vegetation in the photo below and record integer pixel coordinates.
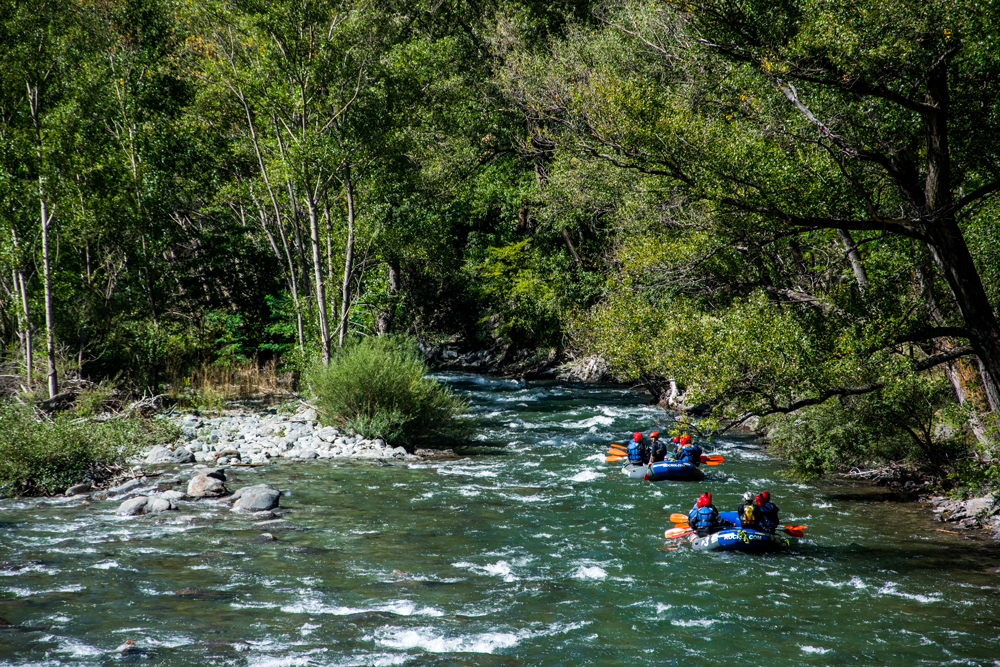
(785, 211)
(379, 388)
(40, 457)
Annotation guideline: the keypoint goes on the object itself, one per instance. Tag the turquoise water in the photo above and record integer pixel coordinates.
(543, 554)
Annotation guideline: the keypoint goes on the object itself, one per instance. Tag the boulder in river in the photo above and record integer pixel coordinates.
(144, 505)
(257, 498)
(77, 489)
(203, 486)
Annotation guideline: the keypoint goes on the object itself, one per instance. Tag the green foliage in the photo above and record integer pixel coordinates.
(40, 457)
(378, 387)
(91, 401)
(906, 423)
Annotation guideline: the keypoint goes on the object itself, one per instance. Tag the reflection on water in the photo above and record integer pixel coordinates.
(544, 555)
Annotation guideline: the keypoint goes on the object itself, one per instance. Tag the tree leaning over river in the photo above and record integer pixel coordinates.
(770, 138)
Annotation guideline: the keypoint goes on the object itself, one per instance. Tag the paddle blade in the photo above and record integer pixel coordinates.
(677, 517)
(802, 527)
(712, 460)
(674, 533)
(616, 458)
(612, 450)
(794, 533)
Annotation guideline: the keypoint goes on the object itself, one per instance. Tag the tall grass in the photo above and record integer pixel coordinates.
(40, 457)
(211, 385)
(378, 387)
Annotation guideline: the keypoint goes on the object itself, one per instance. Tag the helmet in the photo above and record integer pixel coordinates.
(748, 496)
(654, 434)
(765, 496)
(637, 436)
(685, 439)
(701, 501)
(676, 439)
(708, 498)
(758, 500)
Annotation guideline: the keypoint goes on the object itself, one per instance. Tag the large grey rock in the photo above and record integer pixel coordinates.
(173, 495)
(202, 486)
(77, 489)
(308, 454)
(125, 488)
(156, 505)
(327, 433)
(979, 506)
(256, 498)
(133, 506)
(159, 454)
(183, 455)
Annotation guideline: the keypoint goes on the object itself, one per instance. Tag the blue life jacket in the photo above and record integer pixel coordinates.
(768, 513)
(703, 517)
(690, 455)
(635, 452)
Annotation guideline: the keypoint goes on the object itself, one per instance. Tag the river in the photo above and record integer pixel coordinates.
(542, 554)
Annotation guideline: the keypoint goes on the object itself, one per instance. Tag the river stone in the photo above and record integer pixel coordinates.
(124, 488)
(257, 498)
(327, 433)
(265, 537)
(132, 506)
(202, 486)
(157, 505)
(159, 454)
(308, 454)
(183, 455)
(979, 506)
(173, 495)
(78, 489)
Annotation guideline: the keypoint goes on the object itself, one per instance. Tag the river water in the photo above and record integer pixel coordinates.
(543, 554)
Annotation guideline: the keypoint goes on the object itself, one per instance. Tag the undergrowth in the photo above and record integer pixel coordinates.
(39, 457)
(378, 387)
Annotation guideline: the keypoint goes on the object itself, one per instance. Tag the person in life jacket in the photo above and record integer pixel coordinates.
(748, 512)
(768, 512)
(637, 454)
(688, 452)
(657, 448)
(704, 518)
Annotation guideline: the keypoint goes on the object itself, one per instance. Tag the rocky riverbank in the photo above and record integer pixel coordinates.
(195, 467)
(257, 438)
(982, 513)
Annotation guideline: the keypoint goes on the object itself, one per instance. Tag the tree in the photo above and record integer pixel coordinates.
(772, 147)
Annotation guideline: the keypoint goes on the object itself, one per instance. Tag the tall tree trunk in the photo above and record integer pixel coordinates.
(46, 219)
(277, 215)
(345, 297)
(28, 345)
(317, 257)
(947, 243)
(854, 257)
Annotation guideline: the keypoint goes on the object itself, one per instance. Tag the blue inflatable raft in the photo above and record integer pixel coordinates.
(739, 538)
(664, 470)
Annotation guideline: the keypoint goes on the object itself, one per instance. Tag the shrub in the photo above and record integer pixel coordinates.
(40, 457)
(378, 387)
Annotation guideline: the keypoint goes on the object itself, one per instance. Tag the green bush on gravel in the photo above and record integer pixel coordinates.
(378, 387)
(40, 457)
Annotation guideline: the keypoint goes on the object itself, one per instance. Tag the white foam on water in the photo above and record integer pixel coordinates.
(590, 572)
(432, 641)
(596, 420)
(586, 476)
(696, 623)
(822, 506)
(815, 649)
(307, 629)
(543, 535)
(106, 565)
(75, 647)
(283, 660)
(312, 605)
(500, 568)
(661, 607)
(890, 589)
(595, 457)
(469, 491)
(25, 592)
